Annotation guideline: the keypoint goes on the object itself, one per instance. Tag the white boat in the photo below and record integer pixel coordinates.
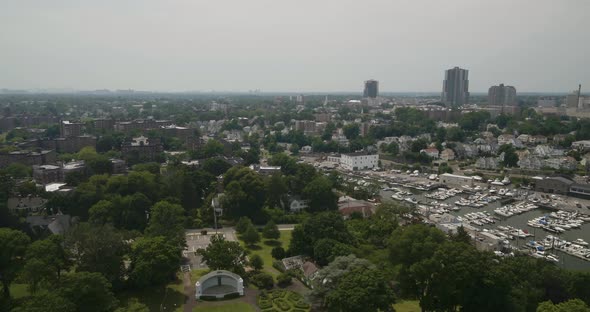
(580, 242)
(411, 200)
(397, 197)
(552, 258)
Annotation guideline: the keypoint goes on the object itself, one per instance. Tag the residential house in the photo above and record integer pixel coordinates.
(447, 154)
(540, 139)
(489, 163)
(526, 139)
(347, 206)
(567, 163)
(505, 139)
(296, 204)
(430, 152)
(530, 163)
(547, 151)
(558, 138)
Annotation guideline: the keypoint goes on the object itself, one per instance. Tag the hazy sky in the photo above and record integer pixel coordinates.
(295, 45)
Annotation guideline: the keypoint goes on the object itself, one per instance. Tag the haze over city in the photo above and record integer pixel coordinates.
(302, 46)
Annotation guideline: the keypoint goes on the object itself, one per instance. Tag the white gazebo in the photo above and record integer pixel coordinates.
(219, 284)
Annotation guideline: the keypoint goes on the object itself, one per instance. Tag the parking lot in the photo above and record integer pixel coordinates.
(195, 240)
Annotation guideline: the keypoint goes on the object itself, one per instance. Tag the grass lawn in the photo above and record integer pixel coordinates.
(18, 291)
(196, 274)
(263, 250)
(227, 307)
(407, 306)
(169, 298)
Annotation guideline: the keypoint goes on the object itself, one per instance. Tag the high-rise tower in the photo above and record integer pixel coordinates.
(371, 89)
(456, 87)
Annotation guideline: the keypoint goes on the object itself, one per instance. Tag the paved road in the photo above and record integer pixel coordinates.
(195, 240)
(189, 291)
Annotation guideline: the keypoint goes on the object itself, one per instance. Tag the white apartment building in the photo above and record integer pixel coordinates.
(359, 161)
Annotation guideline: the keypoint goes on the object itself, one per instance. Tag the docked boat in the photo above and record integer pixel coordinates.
(397, 197)
(552, 258)
(411, 200)
(580, 242)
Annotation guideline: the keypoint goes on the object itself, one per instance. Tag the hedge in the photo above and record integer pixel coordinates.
(282, 304)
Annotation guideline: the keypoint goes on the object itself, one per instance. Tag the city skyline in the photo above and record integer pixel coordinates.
(236, 46)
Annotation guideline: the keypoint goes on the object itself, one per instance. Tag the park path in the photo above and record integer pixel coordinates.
(189, 292)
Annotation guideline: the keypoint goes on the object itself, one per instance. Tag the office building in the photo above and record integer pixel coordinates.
(371, 89)
(456, 87)
(359, 161)
(502, 95)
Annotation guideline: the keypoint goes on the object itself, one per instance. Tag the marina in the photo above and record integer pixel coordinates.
(517, 223)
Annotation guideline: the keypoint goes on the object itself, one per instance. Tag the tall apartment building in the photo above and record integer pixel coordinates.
(70, 129)
(456, 87)
(502, 95)
(371, 89)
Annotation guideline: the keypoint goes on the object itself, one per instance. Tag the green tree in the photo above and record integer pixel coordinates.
(212, 148)
(412, 247)
(333, 272)
(46, 259)
(97, 248)
(167, 219)
(251, 236)
(320, 195)
(363, 289)
(101, 213)
(18, 171)
(510, 156)
(133, 305)
(256, 262)
(276, 189)
(351, 131)
(243, 224)
(154, 261)
(271, 230)
(284, 280)
(325, 250)
(573, 305)
(88, 292)
(13, 245)
(325, 225)
(46, 302)
(223, 255)
(244, 193)
(262, 280)
(278, 253)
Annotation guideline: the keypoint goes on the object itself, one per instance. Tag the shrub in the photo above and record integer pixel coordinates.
(265, 304)
(256, 262)
(293, 296)
(282, 304)
(278, 293)
(262, 280)
(243, 224)
(284, 280)
(278, 253)
(302, 304)
(278, 265)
